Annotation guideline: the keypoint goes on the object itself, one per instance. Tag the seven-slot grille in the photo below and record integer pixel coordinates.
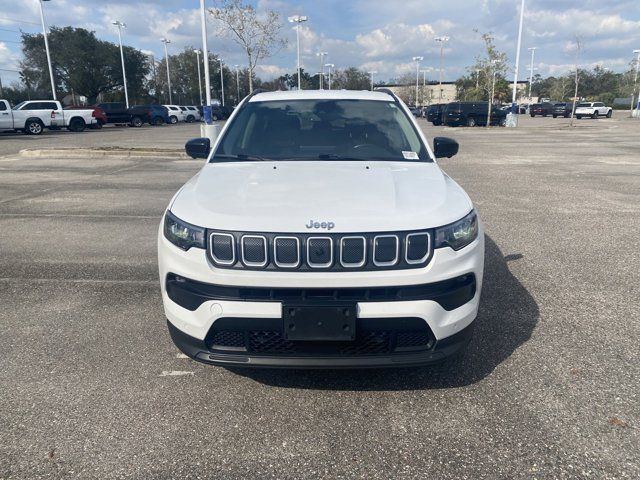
(330, 252)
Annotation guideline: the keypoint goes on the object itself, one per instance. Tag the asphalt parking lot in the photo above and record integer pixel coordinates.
(92, 386)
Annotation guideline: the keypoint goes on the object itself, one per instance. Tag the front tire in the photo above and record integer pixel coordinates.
(136, 122)
(578, 117)
(594, 115)
(471, 122)
(173, 119)
(33, 127)
(532, 115)
(191, 119)
(554, 115)
(609, 113)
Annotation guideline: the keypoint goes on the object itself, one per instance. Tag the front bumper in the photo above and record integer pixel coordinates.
(404, 317)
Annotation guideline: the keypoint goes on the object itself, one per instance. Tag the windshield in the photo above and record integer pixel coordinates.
(321, 129)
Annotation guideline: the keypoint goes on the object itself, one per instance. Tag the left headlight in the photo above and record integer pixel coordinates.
(182, 234)
(459, 234)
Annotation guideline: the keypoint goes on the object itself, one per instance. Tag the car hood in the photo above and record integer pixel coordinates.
(286, 196)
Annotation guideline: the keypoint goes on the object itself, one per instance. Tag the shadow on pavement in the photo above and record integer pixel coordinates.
(508, 314)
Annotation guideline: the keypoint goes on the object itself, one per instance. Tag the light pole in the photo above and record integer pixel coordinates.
(441, 41)
(237, 84)
(166, 57)
(329, 66)
(371, 74)
(321, 55)
(221, 82)
(298, 19)
(120, 26)
(635, 85)
(198, 52)
(417, 60)
(533, 52)
(46, 47)
(424, 82)
(205, 53)
(514, 104)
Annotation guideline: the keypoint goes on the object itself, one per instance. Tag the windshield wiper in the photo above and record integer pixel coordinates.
(244, 156)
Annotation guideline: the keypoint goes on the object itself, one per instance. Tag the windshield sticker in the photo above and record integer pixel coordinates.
(410, 155)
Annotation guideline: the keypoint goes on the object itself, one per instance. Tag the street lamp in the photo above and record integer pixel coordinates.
(514, 104)
(329, 66)
(371, 74)
(441, 41)
(205, 53)
(166, 57)
(237, 84)
(221, 82)
(424, 82)
(120, 26)
(417, 60)
(198, 52)
(46, 47)
(533, 52)
(298, 19)
(635, 85)
(321, 55)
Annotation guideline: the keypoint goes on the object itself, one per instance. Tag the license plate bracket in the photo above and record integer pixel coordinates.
(321, 323)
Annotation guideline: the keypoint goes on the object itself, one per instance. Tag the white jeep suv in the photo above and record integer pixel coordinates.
(321, 233)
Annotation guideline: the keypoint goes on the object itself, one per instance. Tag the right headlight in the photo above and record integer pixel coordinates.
(459, 234)
(182, 234)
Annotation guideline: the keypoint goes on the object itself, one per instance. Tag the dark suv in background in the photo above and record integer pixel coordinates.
(471, 114)
(116, 112)
(151, 114)
(562, 109)
(434, 113)
(542, 109)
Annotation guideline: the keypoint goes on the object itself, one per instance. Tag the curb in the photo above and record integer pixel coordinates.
(104, 152)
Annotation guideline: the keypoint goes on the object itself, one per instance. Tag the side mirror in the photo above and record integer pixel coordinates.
(444, 147)
(198, 147)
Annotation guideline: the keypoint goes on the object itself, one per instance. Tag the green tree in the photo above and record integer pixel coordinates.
(82, 64)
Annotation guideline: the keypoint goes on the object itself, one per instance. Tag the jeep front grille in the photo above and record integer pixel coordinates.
(329, 252)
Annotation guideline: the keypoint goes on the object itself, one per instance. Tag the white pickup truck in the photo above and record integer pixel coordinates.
(593, 110)
(33, 116)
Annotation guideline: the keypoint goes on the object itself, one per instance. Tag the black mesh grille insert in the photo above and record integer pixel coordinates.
(417, 246)
(222, 247)
(227, 338)
(319, 251)
(253, 250)
(287, 251)
(352, 250)
(386, 249)
(413, 338)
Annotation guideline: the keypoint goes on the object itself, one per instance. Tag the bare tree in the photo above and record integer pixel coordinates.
(258, 34)
(492, 63)
(577, 49)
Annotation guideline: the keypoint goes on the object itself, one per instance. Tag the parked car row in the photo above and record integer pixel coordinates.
(470, 114)
(467, 114)
(34, 116)
(563, 109)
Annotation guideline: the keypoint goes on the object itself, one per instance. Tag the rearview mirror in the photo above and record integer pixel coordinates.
(198, 147)
(444, 147)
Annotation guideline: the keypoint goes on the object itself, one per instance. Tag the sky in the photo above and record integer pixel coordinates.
(376, 35)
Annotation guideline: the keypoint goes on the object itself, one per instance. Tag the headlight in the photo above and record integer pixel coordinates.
(458, 234)
(182, 234)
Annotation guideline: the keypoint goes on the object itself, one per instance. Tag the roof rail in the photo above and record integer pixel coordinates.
(389, 92)
(255, 92)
